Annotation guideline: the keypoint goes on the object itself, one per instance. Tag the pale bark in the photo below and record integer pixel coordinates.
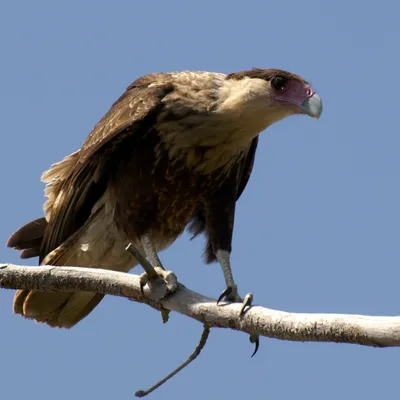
(357, 329)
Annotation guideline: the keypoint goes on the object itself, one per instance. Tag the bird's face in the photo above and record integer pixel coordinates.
(258, 98)
(295, 95)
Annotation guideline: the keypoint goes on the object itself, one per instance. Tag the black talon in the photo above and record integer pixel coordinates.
(255, 339)
(225, 293)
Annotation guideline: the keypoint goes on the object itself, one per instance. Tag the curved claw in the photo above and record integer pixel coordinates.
(224, 294)
(144, 279)
(247, 301)
(255, 339)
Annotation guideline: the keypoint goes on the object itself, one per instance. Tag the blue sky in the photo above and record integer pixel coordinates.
(317, 228)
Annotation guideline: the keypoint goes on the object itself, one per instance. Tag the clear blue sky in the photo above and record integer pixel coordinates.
(317, 229)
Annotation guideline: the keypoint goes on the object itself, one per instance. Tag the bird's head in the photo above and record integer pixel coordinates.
(264, 96)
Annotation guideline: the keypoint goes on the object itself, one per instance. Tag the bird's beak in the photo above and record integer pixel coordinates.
(312, 106)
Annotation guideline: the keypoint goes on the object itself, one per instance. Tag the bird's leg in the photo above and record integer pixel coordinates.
(153, 270)
(150, 251)
(231, 291)
(220, 215)
(157, 268)
(219, 221)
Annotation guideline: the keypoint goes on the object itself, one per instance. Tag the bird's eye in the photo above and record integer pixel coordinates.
(279, 82)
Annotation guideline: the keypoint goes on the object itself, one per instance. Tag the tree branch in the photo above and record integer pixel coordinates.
(341, 328)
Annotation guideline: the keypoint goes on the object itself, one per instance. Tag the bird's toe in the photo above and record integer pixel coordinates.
(230, 294)
(247, 302)
(169, 279)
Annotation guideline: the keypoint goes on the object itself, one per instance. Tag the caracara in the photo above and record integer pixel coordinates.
(176, 150)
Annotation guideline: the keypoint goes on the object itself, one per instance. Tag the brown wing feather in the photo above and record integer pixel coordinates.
(29, 237)
(248, 164)
(129, 110)
(88, 179)
(54, 178)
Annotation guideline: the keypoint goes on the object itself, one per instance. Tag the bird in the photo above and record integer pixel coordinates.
(173, 153)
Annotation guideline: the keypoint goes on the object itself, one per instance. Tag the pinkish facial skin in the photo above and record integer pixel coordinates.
(302, 96)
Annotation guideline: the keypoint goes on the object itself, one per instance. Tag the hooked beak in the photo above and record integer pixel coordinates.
(312, 106)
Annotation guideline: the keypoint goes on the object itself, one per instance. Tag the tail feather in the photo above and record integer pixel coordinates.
(28, 238)
(57, 309)
(38, 304)
(30, 253)
(78, 307)
(19, 299)
(66, 309)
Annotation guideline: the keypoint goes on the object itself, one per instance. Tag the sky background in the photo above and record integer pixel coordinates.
(317, 228)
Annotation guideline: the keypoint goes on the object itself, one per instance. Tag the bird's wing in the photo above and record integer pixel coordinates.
(247, 167)
(87, 180)
(54, 178)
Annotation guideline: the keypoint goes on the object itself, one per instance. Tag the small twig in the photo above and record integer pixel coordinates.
(142, 260)
(192, 357)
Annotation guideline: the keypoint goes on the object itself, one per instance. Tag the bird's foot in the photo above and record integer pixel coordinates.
(168, 277)
(231, 294)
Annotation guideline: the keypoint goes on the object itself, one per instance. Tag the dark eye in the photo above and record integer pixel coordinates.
(279, 82)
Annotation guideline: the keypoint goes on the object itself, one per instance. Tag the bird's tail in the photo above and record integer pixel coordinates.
(28, 238)
(58, 309)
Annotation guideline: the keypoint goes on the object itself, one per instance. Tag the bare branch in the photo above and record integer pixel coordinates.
(341, 328)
